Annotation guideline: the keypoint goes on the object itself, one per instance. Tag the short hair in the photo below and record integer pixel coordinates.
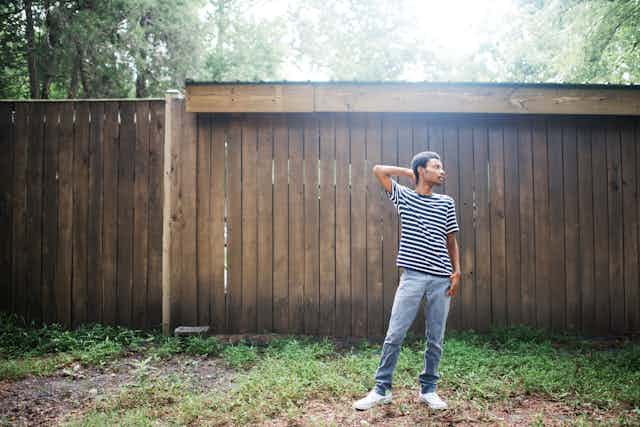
(421, 159)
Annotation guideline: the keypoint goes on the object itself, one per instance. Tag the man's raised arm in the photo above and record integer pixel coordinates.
(384, 174)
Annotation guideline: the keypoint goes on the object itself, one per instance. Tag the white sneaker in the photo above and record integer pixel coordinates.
(372, 399)
(433, 400)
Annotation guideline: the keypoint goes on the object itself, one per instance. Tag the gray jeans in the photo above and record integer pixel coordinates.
(413, 286)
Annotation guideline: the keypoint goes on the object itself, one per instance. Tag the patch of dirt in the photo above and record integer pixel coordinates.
(407, 410)
(48, 399)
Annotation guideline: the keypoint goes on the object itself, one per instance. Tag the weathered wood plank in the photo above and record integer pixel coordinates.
(629, 153)
(34, 214)
(80, 211)
(541, 224)
(374, 282)
(296, 224)
(234, 224)
(281, 226)
(466, 205)
(249, 225)
(156, 206)
(389, 220)
(50, 211)
(125, 203)
(358, 227)
(141, 217)
(327, 225)
(264, 175)
(571, 225)
(233, 98)
(527, 223)
(411, 97)
(65, 217)
(94, 214)
(556, 225)
(311, 218)
(343, 230)
(616, 224)
(204, 198)
(586, 230)
(497, 221)
(217, 227)
(188, 284)
(602, 306)
(512, 224)
(483, 225)
(7, 142)
(19, 208)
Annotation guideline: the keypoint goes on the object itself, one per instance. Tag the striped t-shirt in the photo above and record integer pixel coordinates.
(426, 221)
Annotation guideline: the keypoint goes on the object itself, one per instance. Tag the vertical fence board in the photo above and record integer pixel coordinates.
(124, 270)
(311, 237)
(234, 194)
(585, 219)
(358, 227)
(249, 225)
(34, 214)
(343, 230)
(389, 220)
(527, 224)
(65, 216)
(602, 306)
(616, 231)
(50, 212)
(6, 198)
(189, 274)
(327, 225)
(374, 283)
(497, 221)
(630, 212)
(264, 174)
(80, 212)
(483, 225)
(296, 224)
(204, 236)
(19, 206)
(218, 309)
(571, 226)
(155, 209)
(94, 214)
(140, 217)
(556, 225)
(467, 225)
(512, 224)
(110, 212)
(280, 225)
(541, 223)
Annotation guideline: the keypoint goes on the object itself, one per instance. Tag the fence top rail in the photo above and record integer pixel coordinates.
(83, 100)
(506, 98)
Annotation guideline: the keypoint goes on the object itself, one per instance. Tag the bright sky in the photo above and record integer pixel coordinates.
(452, 27)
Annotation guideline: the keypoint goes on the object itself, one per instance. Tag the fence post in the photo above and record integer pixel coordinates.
(172, 96)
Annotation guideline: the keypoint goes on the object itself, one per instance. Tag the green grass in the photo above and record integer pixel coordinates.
(276, 380)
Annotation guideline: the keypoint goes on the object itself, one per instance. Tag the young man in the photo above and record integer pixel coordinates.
(429, 255)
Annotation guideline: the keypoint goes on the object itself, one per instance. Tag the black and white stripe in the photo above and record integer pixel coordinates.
(426, 222)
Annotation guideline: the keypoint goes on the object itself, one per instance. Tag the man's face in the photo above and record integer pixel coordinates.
(434, 172)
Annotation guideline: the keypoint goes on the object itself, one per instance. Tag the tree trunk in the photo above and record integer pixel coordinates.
(31, 52)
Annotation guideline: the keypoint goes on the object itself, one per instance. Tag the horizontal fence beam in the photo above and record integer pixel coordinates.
(412, 98)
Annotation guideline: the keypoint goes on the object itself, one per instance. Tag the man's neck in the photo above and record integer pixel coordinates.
(424, 188)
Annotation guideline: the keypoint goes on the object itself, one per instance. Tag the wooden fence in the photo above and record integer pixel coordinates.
(274, 222)
(81, 211)
(548, 210)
